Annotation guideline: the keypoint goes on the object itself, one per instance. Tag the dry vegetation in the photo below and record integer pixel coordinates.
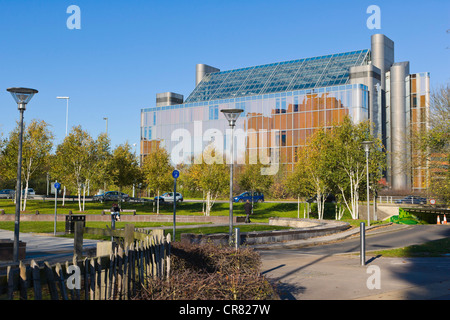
(209, 272)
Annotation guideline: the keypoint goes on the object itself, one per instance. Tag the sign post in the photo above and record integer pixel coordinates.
(175, 175)
(57, 186)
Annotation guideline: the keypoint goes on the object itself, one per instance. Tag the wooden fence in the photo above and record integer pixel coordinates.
(119, 275)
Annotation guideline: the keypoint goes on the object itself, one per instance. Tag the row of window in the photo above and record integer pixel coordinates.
(290, 75)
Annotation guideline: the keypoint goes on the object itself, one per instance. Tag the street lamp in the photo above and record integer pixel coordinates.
(67, 111)
(367, 145)
(22, 96)
(231, 115)
(67, 124)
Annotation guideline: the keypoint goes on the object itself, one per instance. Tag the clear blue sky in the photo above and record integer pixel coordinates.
(127, 51)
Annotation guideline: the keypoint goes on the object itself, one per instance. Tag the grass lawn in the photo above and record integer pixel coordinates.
(262, 213)
(435, 248)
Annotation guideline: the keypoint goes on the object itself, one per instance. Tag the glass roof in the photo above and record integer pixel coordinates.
(300, 74)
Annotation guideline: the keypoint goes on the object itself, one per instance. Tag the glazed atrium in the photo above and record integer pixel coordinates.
(283, 104)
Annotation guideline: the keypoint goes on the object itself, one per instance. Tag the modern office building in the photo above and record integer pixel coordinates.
(285, 102)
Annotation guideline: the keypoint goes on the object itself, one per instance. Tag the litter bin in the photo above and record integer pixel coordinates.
(71, 219)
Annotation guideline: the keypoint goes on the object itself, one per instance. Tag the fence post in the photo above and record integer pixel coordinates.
(60, 280)
(50, 281)
(129, 235)
(10, 281)
(23, 281)
(35, 274)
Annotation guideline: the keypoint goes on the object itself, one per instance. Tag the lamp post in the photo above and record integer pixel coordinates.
(22, 96)
(231, 115)
(67, 111)
(67, 125)
(367, 145)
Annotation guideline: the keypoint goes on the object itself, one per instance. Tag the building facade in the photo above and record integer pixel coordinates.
(285, 102)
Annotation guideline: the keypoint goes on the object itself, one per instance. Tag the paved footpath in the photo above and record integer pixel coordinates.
(42, 247)
(307, 275)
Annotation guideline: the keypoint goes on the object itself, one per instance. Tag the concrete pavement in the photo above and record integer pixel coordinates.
(301, 276)
(41, 247)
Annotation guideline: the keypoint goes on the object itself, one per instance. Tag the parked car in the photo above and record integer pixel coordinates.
(243, 197)
(29, 193)
(111, 196)
(412, 200)
(330, 198)
(168, 197)
(7, 193)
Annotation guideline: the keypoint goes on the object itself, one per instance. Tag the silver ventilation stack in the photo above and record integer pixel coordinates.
(399, 106)
(202, 70)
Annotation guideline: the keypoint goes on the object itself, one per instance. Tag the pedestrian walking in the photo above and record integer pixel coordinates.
(248, 211)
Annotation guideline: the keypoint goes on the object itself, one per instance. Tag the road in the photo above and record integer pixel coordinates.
(410, 235)
(331, 271)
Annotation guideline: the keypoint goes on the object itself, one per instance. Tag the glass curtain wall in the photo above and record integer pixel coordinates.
(279, 120)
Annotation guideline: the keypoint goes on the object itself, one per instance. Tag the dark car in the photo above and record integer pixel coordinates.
(330, 198)
(412, 200)
(243, 197)
(111, 196)
(7, 193)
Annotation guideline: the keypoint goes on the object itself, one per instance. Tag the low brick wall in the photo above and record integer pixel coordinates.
(126, 218)
(312, 228)
(6, 250)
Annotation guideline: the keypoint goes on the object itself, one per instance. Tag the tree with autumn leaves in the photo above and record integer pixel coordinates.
(157, 172)
(433, 145)
(334, 162)
(36, 148)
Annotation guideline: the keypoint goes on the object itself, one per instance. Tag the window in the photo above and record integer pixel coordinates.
(214, 112)
(283, 138)
(295, 103)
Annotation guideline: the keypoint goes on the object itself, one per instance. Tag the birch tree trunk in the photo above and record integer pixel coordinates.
(208, 203)
(157, 203)
(79, 196)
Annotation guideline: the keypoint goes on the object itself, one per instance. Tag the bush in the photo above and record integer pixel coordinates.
(209, 272)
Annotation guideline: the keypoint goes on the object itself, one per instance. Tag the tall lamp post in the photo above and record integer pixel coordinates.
(231, 115)
(67, 125)
(367, 145)
(67, 111)
(22, 96)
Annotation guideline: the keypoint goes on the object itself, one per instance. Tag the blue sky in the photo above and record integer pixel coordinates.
(127, 51)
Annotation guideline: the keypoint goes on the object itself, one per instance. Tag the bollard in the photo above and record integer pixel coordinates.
(237, 233)
(363, 243)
